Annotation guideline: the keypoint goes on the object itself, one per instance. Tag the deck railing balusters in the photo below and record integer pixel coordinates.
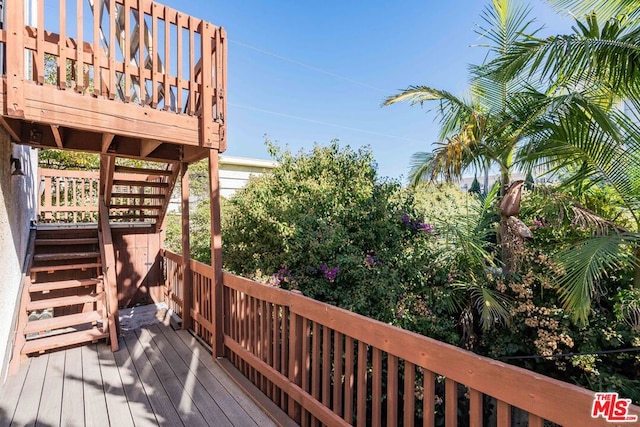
(303, 355)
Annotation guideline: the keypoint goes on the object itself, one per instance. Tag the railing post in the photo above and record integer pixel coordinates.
(216, 256)
(206, 95)
(15, 57)
(186, 250)
(221, 85)
(295, 361)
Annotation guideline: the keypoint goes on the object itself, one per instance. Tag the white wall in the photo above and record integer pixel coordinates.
(236, 171)
(17, 210)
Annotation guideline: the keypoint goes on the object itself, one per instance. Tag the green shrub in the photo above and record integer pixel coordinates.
(323, 223)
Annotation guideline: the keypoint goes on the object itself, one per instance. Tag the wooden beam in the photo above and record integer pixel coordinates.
(148, 146)
(186, 250)
(58, 135)
(193, 154)
(107, 139)
(107, 171)
(47, 104)
(13, 126)
(216, 256)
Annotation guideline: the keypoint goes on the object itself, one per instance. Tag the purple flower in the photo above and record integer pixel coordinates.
(538, 223)
(406, 220)
(427, 228)
(281, 275)
(274, 280)
(329, 273)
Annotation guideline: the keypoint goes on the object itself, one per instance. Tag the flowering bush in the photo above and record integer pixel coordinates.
(324, 223)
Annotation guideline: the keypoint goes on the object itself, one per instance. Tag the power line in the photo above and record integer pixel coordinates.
(320, 122)
(559, 356)
(311, 67)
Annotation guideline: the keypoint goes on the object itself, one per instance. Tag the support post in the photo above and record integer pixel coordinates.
(186, 250)
(216, 256)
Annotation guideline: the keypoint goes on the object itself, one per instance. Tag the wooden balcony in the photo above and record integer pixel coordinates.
(127, 77)
(158, 377)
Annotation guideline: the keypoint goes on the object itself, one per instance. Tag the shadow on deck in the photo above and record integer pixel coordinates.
(158, 377)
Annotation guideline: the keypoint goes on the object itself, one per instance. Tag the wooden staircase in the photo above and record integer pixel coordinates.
(64, 300)
(138, 195)
(70, 291)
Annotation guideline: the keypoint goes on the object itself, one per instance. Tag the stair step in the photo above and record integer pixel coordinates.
(52, 268)
(62, 284)
(133, 216)
(70, 242)
(136, 196)
(143, 171)
(63, 301)
(65, 256)
(57, 341)
(140, 183)
(61, 322)
(136, 207)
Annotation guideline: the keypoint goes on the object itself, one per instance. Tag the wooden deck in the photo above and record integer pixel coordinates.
(158, 377)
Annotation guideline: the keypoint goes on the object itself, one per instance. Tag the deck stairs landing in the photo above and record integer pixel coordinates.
(64, 298)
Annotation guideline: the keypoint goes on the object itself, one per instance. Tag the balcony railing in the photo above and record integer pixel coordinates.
(323, 364)
(68, 196)
(138, 52)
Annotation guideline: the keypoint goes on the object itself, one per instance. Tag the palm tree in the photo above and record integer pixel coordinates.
(486, 129)
(481, 131)
(601, 145)
(507, 122)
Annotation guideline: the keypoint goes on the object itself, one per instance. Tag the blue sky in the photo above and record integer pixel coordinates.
(307, 72)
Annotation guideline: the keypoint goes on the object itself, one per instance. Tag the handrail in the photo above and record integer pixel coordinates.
(320, 362)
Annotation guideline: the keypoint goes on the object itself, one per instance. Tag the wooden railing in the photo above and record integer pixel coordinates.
(136, 51)
(68, 196)
(322, 364)
(72, 196)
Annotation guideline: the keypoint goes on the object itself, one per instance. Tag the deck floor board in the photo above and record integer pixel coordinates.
(49, 410)
(193, 384)
(27, 410)
(10, 393)
(73, 391)
(158, 377)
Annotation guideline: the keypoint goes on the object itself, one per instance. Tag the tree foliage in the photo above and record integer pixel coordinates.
(323, 223)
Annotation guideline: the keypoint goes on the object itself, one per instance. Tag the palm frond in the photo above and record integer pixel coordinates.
(492, 305)
(447, 160)
(605, 9)
(421, 168)
(586, 265)
(607, 57)
(505, 21)
(452, 110)
(589, 220)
